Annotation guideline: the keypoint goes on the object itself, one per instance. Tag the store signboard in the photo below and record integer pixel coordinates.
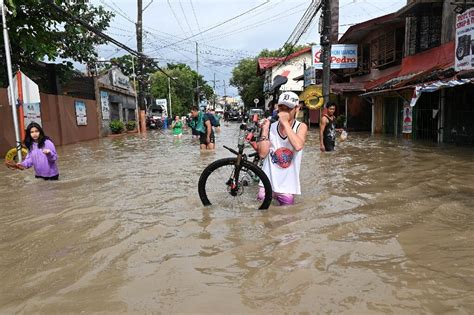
(104, 103)
(32, 113)
(342, 56)
(309, 76)
(81, 113)
(464, 55)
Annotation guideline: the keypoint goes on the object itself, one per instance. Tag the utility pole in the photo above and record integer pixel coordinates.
(136, 98)
(141, 86)
(10, 83)
(169, 96)
(326, 48)
(197, 79)
(214, 93)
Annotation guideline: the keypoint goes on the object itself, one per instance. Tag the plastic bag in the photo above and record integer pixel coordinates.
(343, 136)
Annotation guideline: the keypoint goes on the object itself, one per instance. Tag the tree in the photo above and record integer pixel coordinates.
(183, 87)
(245, 78)
(41, 33)
(126, 65)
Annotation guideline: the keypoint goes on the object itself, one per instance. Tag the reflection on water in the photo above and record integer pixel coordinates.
(383, 226)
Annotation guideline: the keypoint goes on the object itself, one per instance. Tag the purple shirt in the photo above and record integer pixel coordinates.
(44, 164)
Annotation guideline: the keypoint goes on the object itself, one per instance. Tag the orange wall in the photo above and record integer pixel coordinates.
(58, 115)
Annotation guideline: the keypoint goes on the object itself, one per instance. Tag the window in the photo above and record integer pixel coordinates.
(387, 49)
(363, 61)
(424, 32)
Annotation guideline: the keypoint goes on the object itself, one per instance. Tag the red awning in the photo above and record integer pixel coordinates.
(417, 67)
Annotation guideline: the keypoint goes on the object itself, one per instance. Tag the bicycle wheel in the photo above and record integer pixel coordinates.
(216, 181)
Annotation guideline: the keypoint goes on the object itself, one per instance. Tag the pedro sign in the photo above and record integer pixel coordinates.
(342, 56)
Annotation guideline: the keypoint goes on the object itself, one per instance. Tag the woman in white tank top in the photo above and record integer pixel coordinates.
(281, 147)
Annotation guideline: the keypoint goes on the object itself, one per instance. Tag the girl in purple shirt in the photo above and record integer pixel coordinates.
(41, 153)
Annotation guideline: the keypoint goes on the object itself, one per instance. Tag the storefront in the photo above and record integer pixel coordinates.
(116, 99)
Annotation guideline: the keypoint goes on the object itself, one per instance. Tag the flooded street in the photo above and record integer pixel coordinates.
(382, 226)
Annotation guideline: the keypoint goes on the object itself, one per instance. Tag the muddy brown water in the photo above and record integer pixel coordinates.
(382, 226)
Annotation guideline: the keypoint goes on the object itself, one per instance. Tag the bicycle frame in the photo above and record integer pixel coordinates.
(246, 134)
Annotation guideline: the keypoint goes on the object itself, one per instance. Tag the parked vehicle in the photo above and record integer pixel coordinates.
(235, 115)
(154, 117)
(257, 111)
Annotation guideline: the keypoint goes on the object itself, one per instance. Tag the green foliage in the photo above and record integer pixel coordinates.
(130, 125)
(126, 65)
(183, 88)
(38, 32)
(116, 126)
(246, 80)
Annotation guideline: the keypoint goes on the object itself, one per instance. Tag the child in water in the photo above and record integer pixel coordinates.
(41, 154)
(177, 127)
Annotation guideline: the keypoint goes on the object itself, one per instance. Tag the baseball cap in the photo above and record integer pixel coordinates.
(289, 99)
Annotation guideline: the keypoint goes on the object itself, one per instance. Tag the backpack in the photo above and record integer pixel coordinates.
(213, 120)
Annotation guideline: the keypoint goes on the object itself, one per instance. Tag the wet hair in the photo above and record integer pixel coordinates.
(41, 139)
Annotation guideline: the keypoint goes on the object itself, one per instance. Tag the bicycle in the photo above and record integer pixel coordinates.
(225, 174)
(236, 181)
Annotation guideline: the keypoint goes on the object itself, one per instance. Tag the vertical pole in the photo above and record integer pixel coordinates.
(137, 113)
(197, 79)
(21, 119)
(345, 120)
(169, 96)
(441, 116)
(10, 82)
(139, 34)
(372, 126)
(326, 49)
(214, 91)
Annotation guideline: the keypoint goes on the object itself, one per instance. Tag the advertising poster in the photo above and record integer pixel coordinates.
(464, 59)
(32, 113)
(407, 119)
(81, 114)
(104, 103)
(342, 56)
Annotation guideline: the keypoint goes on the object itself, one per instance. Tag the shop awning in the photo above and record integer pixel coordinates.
(435, 86)
(339, 88)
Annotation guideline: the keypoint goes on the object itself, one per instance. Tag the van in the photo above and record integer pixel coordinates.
(257, 111)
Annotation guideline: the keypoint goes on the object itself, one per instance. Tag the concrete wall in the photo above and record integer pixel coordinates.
(58, 115)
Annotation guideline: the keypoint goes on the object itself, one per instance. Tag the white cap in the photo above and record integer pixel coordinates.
(289, 99)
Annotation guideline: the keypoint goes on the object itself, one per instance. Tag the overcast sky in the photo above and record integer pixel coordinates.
(268, 25)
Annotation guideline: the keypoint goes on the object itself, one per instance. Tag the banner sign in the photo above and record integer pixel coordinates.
(119, 80)
(81, 114)
(104, 103)
(309, 76)
(407, 119)
(162, 102)
(342, 56)
(464, 59)
(32, 113)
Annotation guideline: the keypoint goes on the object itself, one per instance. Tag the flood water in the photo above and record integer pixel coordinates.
(382, 226)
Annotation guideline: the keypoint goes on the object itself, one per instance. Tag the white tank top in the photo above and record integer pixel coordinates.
(282, 164)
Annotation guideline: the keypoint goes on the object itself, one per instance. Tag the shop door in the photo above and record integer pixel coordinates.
(390, 115)
(426, 116)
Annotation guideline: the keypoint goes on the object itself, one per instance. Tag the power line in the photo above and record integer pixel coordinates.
(255, 25)
(185, 17)
(176, 17)
(106, 37)
(222, 23)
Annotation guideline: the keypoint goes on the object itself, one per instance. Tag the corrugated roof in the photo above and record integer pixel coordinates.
(268, 62)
